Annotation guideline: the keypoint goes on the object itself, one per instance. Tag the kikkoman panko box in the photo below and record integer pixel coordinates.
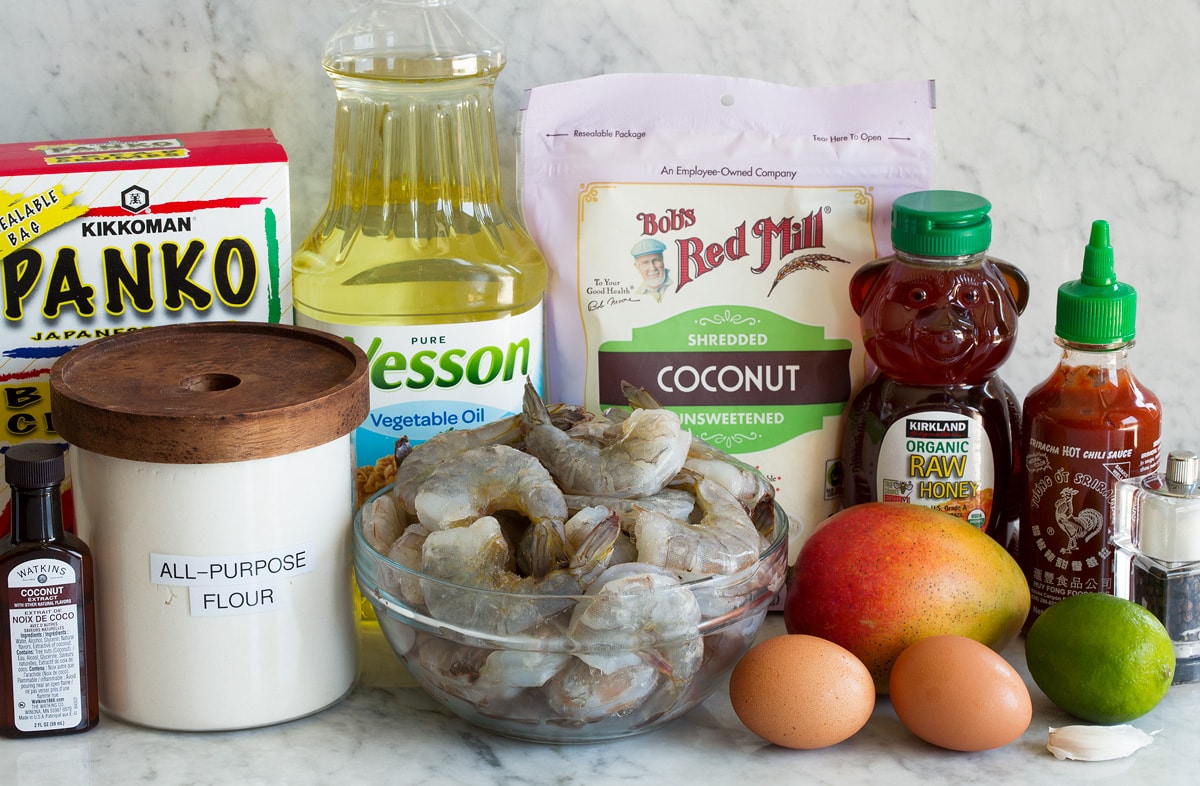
(104, 236)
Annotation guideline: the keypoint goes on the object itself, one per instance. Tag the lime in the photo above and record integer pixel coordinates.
(1101, 658)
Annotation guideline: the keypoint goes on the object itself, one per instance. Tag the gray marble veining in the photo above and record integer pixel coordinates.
(389, 731)
(1059, 113)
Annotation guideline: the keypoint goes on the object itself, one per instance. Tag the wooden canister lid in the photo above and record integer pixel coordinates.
(209, 392)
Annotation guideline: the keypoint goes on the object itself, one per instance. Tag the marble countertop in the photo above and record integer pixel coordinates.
(387, 730)
(1059, 113)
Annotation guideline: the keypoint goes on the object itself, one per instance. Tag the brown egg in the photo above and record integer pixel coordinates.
(801, 691)
(956, 693)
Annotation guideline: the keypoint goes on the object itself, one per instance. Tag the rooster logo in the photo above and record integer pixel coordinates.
(1077, 526)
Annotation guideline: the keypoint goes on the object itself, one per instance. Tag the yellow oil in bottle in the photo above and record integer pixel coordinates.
(416, 258)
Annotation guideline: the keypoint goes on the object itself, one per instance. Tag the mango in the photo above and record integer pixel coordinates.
(879, 576)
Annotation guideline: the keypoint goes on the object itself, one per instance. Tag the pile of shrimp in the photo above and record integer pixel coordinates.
(585, 530)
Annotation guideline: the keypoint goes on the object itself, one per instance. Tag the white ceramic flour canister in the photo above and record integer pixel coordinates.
(210, 465)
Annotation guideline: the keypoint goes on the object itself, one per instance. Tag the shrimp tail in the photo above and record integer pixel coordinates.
(403, 449)
(596, 550)
(544, 549)
(534, 412)
(639, 398)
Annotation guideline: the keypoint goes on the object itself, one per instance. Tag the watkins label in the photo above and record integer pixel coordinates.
(433, 378)
(940, 460)
(44, 610)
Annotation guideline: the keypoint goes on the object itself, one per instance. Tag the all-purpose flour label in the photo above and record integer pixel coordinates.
(702, 233)
(233, 584)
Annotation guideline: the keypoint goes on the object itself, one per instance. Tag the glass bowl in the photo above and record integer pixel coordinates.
(569, 668)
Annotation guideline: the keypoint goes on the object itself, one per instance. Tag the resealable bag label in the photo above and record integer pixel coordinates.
(701, 233)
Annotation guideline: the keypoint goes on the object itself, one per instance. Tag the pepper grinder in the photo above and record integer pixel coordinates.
(1157, 537)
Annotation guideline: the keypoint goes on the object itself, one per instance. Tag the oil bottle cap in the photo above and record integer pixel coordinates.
(941, 224)
(34, 465)
(1096, 309)
(413, 40)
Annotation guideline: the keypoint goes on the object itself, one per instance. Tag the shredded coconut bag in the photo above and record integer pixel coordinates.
(701, 233)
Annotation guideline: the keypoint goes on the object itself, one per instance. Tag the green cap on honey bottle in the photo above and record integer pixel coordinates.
(1097, 309)
(941, 224)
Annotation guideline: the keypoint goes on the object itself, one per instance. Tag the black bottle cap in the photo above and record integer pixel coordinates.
(34, 465)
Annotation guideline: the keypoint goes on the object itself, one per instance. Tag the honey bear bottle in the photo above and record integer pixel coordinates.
(1090, 424)
(935, 425)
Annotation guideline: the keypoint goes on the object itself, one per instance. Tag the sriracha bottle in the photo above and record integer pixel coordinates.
(1090, 424)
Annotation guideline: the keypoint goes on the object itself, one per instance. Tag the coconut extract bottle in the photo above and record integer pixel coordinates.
(935, 425)
(1086, 427)
(49, 657)
(416, 258)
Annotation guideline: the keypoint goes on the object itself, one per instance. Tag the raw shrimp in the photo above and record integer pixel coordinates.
(630, 607)
(406, 551)
(414, 464)
(599, 431)
(488, 679)
(382, 522)
(584, 521)
(486, 479)
(582, 694)
(542, 548)
(521, 668)
(650, 448)
(637, 630)
(592, 552)
(451, 667)
(623, 550)
(592, 531)
(676, 503)
(745, 482)
(638, 398)
(477, 557)
(723, 540)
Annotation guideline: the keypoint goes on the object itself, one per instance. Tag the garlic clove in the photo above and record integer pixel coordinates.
(1096, 743)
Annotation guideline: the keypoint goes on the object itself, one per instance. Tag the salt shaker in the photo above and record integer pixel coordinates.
(1157, 538)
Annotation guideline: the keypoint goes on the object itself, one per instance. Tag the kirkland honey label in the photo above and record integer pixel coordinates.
(104, 236)
(939, 460)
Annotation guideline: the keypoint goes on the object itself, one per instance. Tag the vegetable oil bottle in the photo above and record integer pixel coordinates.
(416, 258)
